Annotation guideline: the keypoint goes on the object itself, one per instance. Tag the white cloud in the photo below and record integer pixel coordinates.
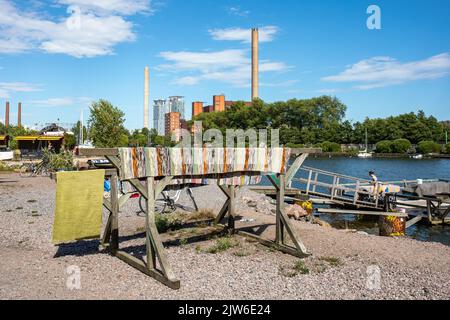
(230, 66)
(85, 33)
(385, 71)
(61, 102)
(7, 88)
(266, 34)
(121, 7)
(237, 11)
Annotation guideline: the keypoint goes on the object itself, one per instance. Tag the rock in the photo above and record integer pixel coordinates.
(295, 211)
(322, 223)
(362, 233)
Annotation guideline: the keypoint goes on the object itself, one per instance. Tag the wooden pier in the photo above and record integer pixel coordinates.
(355, 196)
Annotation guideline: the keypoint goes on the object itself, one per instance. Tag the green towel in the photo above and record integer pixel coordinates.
(79, 201)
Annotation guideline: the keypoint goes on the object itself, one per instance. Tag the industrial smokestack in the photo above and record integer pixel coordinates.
(7, 115)
(146, 94)
(19, 115)
(255, 63)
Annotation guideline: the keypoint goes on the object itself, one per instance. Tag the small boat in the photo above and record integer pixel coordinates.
(364, 153)
(417, 156)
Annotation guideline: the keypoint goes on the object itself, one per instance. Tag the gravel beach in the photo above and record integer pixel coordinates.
(340, 267)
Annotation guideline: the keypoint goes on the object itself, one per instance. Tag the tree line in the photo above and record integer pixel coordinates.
(319, 121)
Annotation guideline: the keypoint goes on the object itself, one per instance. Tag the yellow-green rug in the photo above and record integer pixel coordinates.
(79, 201)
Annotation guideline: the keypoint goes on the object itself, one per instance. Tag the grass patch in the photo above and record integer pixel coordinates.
(300, 267)
(334, 261)
(183, 241)
(166, 222)
(203, 214)
(5, 168)
(222, 244)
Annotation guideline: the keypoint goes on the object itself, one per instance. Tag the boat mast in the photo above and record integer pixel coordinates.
(80, 135)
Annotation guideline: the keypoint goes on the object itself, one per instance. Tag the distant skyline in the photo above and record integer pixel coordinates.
(57, 56)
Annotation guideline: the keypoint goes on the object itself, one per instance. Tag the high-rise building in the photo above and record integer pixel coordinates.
(197, 108)
(172, 122)
(219, 103)
(159, 111)
(176, 104)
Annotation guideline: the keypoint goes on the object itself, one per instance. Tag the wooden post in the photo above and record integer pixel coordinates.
(279, 236)
(231, 205)
(114, 215)
(150, 216)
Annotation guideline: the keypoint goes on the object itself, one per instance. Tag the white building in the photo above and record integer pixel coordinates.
(159, 112)
(176, 104)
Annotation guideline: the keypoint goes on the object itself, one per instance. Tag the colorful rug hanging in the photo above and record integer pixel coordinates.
(214, 163)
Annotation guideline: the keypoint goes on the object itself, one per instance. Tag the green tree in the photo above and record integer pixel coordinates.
(69, 141)
(76, 131)
(447, 148)
(400, 146)
(106, 124)
(428, 147)
(384, 146)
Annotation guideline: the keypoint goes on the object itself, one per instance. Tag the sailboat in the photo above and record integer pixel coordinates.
(364, 153)
(83, 144)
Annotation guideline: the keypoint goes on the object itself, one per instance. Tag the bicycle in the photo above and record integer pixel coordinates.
(34, 169)
(167, 202)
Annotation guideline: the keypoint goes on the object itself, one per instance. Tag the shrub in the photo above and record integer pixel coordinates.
(428, 147)
(328, 146)
(447, 148)
(384, 146)
(58, 161)
(400, 146)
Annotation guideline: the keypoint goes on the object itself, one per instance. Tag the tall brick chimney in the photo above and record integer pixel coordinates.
(7, 115)
(19, 115)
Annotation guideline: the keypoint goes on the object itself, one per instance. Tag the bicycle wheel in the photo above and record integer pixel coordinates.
(26, 171)
(160, 205)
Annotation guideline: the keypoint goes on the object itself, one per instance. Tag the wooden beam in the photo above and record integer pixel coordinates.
(231, 206)
(413, 221)
(98, 152)
(274, 180)
(363, 212)
(106, 238)
(279, 229)
(150, 206)
(114, 214)
(268, 243)
(291, 172)
(162, 184)
(139, 187)
(141, 266)
(286, 223)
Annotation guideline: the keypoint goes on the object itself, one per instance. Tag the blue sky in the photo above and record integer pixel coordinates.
(57, 56)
